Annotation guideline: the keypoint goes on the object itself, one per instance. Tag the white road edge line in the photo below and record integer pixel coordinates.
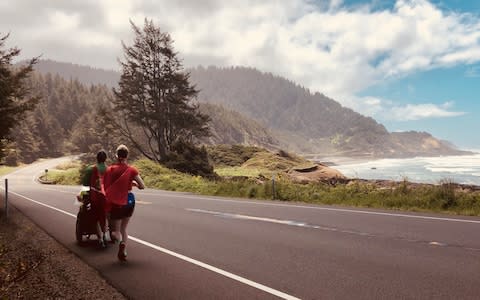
(327, 208)
(43, 204)
(312, 207)
(187, 259)
(171, 194)
(219, 271)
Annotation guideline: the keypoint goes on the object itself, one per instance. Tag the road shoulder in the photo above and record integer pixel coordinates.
(34, 265)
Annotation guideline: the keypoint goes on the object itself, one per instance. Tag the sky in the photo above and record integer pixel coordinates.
(409, 64)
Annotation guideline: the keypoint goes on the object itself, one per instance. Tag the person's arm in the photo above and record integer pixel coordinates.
(138, 182)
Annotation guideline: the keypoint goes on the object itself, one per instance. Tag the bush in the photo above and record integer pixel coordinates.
(187, 158)
(11, 159)
(284, 154)
(68, 177)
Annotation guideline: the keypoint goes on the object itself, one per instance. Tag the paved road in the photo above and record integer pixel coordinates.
(196, 247)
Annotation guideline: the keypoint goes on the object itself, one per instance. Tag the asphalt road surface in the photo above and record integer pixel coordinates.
(184, 246)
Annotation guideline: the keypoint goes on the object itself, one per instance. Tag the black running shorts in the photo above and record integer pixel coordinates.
(121, 212)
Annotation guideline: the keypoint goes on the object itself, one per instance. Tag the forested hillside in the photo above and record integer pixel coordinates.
(61, 122)
(306, 122)
(230, 127)
(65, 121)
(279, 112)
(84, 74)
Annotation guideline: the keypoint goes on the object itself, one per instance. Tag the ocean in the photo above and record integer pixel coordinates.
(459, 169)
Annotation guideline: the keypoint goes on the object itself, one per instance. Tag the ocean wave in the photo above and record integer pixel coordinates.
(451, 170)
(461, 169)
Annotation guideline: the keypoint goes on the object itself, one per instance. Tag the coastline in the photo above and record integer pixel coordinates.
(333, 161)
(461, 169)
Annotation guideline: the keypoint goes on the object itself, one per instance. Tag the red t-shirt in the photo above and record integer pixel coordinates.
(118, 182)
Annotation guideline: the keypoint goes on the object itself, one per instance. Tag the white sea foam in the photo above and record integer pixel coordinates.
(461, 169)
(450, 170)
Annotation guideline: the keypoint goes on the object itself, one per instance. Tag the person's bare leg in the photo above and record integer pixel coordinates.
(116, 230)
(123, 229)
(106, 231)
(122, 247)
(99, 232)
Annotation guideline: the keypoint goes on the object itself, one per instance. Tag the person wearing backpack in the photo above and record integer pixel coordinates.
(120, 177)
(94, 179)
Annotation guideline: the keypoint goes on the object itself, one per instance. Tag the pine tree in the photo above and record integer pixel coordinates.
(154, 104)
(15, 99)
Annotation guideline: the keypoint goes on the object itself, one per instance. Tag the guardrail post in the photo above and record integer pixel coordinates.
(273, 187)
(6, 198)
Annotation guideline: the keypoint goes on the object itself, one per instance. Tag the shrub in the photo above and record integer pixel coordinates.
(187, 158)
(445, 193)
(11, 159)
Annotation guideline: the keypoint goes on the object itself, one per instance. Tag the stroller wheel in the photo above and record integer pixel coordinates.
(78, 233)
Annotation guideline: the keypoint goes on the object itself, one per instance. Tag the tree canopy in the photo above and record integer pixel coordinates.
(154, 105)
(15, 96)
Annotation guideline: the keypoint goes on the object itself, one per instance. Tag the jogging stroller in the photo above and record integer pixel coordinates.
(86, 224)
(86, 219)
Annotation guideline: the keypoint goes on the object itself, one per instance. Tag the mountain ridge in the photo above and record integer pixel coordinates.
(292, 117)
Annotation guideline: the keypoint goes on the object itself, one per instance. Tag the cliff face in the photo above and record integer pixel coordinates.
(414, 143)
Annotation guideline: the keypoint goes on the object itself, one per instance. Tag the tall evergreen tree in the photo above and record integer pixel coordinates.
(15, 99)
(154, 103)
(28, 144)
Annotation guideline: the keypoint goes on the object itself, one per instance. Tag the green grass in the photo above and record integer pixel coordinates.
(5, 170)
(69, 165)
(65, 174)
(261, 163)
(231, 155)
(274, 162)
(240, 171)
(445, 197)
(246, 182)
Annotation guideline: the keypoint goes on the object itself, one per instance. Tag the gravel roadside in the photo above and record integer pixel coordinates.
(33, 265)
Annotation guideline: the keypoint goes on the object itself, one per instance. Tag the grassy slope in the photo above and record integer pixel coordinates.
(251, 177)
(67, 174)
(5, 170)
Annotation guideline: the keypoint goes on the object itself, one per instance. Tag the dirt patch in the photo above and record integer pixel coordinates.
(34, 266)
(316, 173)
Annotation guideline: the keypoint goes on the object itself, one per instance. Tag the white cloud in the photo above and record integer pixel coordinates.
(412, 112)
(384, 109)
(369, 106)
(336, 51)
(323, 45)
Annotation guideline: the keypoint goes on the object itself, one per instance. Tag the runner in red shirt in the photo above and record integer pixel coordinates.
(119, 180)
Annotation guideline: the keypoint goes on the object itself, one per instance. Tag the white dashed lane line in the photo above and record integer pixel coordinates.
(219, 271)
(324, 228)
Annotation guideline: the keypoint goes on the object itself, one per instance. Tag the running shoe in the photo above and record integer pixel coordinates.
(102, 244)
(106, 236)
(105, 241)
(122, 252)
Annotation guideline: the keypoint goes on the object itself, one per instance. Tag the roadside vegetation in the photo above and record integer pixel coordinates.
(248, 172)
(165, 127)
(6, 169)
(65, 174)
